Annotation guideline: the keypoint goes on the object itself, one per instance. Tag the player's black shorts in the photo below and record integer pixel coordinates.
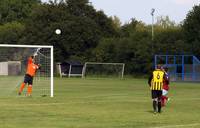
(28, 79)
(156, 94)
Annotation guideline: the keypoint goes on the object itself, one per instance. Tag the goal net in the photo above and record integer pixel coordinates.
(13, 65)
(103, 70)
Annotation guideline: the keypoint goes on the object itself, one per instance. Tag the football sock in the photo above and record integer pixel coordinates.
(21, 87)
(159, 106)
(163, 100)
(154, 105)
(29, 89)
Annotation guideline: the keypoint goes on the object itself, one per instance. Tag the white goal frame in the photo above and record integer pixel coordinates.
(37, 46)
(100, 63)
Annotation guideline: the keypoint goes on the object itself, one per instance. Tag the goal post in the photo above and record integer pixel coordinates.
(13, 63)
(100, 69)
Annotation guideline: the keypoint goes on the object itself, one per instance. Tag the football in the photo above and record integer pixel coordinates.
(58, 31)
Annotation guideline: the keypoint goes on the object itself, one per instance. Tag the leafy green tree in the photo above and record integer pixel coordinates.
(80, 30)
(41, 26)
(116, 22)
(191, 28)
(10, 33)
(15, 10)
(83, 8)
(134, 53)
(128, 28)
(165, 22)
(132, 48)
(79, 7)
(165, 41)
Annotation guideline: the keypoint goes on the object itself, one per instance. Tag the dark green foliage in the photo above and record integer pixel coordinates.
(191, 27)
(134, 51)
(81, 25)
(82, 8)
(15, 10)
(90, 35)
(13, 14)
(10, 33)
(128, 28)
(170, 41)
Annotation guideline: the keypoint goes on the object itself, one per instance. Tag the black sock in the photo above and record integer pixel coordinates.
(154, 105)
(159, 106)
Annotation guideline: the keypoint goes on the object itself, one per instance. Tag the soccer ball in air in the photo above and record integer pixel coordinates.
(58, 31)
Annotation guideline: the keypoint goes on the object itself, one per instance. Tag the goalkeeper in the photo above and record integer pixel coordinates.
(30, 73)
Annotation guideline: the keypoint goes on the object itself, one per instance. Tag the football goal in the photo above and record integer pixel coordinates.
(104, 70)
(13, 65)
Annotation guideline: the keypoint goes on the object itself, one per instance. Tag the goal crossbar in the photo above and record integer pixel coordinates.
(26, 46)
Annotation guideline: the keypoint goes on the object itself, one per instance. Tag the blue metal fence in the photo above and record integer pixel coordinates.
(181, 67)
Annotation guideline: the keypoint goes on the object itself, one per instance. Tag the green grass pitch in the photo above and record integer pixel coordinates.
(102, 103)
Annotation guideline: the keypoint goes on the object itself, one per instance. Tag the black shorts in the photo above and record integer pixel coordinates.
(28, 79)
(156, 94)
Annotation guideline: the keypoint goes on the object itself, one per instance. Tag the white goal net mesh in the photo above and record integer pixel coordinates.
(103, 70)
(13, 65)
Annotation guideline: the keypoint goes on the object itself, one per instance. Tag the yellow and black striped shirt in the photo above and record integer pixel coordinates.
(157, 80)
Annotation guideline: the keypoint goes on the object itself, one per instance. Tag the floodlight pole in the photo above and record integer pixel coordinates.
(152, 30)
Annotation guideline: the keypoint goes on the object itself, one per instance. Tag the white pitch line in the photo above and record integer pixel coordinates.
(178, 126)
(184, 99)
(96, 101)
(43, 104)
(76, 102)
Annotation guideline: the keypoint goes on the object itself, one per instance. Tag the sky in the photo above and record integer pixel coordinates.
(141, 9)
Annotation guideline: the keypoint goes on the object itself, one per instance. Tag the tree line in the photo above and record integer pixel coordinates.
(90, 35)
